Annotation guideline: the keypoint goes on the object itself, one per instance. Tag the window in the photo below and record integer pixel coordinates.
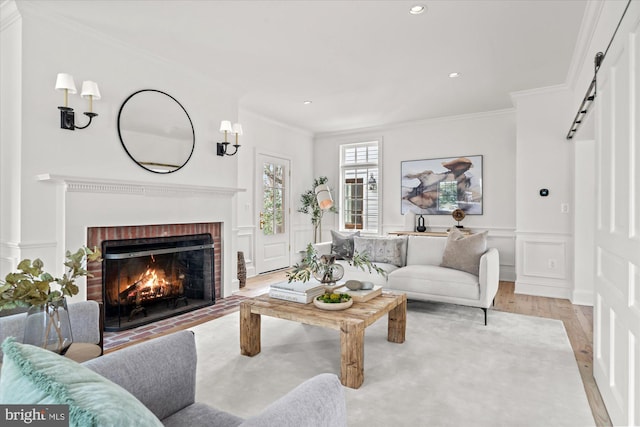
(360, 187)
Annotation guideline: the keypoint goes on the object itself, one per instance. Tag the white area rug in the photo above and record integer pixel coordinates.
(451, 371)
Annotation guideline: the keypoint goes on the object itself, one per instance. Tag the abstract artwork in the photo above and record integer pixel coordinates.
(440, 186)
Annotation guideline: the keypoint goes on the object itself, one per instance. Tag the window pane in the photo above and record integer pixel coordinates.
(360, 186)
(278, 176)
(267, 211)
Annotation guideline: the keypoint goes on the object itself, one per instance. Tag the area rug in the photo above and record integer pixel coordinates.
(451, 371)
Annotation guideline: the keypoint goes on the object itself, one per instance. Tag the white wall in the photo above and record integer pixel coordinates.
(584, 222)
(39, 146)
(265, 136)
(544, 245)
(491, 135)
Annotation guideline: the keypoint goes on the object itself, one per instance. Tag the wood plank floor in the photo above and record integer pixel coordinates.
(577, 319)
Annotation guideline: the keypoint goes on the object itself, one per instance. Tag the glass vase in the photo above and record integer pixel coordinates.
(329, 273)
(48, 326)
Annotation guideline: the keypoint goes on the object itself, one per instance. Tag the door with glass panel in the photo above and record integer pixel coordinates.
(272, 191)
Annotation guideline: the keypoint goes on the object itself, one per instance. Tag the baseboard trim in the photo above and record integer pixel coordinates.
(542, 290)
(507, 273)
(582, 298)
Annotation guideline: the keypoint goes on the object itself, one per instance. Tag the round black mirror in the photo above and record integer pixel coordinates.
(156, 131)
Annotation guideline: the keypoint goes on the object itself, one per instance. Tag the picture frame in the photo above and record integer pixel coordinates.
(441, 185)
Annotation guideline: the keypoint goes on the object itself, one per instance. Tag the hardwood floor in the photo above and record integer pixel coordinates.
(577, 319)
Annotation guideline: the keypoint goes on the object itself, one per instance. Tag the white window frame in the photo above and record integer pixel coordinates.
(371, 199)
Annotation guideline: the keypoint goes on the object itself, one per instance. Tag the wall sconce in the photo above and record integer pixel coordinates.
(225, 127)
(373, 184)
(89, 90)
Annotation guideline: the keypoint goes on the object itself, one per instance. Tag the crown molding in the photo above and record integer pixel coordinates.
(271, 120)
(73, 184)
(537, 91)
(379, 129)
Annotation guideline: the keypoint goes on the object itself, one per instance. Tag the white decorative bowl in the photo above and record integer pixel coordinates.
(332, 305)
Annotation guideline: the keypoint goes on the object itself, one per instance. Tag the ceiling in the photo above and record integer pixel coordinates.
(362, 63)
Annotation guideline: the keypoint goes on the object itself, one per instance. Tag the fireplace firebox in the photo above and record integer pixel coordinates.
(148, 279)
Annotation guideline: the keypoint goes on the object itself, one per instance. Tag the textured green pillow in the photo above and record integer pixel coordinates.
(32, 375)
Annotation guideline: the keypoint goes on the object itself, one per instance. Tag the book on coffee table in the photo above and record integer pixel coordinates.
(301, 287)
(362, 295)
(301, 297)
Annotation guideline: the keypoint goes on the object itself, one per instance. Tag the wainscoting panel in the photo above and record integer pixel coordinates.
(544, 264)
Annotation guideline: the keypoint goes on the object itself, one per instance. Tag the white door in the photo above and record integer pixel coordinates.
(617, 238)
(272, 191)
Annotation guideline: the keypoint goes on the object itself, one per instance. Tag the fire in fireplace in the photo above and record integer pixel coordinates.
(149, 279)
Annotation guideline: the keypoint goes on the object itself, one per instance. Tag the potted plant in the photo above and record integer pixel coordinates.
(309, 205)
(47, 323)
(323, 267)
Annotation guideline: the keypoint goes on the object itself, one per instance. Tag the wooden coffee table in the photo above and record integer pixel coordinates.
(350, 322)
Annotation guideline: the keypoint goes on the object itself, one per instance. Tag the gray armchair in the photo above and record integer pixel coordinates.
(86, 327)
(161, 373)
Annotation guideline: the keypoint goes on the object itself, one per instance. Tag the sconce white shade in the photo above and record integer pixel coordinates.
(90, 88)
(225, 126)
(324, 196)
(237, 128)
(65, 81)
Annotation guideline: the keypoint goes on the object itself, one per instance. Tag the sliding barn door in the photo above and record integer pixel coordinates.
(617, 241)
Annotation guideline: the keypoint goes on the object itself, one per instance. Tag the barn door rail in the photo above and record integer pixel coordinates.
(590, 96)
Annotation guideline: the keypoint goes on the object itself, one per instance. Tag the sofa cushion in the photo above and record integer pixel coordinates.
(342, 244)
(425, 250)
(434, 280)
(464, 252)
(32, 375)
(391, 250)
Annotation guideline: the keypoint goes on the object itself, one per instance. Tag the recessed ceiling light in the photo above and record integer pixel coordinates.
(307, 102)
(454, 75)
(417, 9)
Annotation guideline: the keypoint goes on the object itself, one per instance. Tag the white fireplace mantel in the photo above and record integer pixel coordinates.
(113, 186)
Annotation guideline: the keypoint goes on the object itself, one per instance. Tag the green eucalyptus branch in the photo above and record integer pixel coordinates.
(311, 263)
(31, 285)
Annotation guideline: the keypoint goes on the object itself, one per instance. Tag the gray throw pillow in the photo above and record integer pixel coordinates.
(464, 252)
(389, 250)
(342, 244)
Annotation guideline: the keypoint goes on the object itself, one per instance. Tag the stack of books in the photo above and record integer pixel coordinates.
(302, 292)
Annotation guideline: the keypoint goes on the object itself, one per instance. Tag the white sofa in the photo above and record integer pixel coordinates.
(421, 277)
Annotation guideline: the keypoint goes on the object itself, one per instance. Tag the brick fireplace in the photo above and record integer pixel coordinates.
(96, 236)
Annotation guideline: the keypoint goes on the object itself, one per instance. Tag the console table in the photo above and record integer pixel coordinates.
(428, 233)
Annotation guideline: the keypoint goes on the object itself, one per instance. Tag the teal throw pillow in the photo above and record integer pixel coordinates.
(32, 375)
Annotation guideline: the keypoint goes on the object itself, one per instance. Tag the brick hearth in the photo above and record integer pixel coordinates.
(222, 307)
